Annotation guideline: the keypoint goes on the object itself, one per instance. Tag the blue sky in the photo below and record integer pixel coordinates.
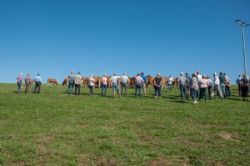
(53, 37)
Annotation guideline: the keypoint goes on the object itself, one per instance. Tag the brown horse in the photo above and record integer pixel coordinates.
(52, 81)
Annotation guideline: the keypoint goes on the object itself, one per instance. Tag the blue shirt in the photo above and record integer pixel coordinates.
(144, 78)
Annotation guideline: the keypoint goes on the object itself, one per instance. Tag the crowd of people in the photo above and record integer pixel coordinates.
(196, 86)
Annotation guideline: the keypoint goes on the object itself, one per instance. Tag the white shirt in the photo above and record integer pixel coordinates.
(124, 79)
(170, 80)
(78, 79)
(199, 77)
(38, 79)
(216, 80)
(114, 79)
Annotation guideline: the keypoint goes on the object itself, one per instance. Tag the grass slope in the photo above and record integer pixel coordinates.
(56, 129)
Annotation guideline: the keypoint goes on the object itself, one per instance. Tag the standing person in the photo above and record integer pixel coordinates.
(78, 81)
(138, 85)
(244, 87)
(28, 82)
(238, 82)
(210, 87)
(183, 84)
(216, 84)
(188, 83)
(71, 78)
(19, 81)
(124, 83)
(194, 88)
(104, 82)
(222, 84)
(170, 83)
(115, 82)
(203, 88)
(38, 83)
(91, 85)
(158, 85)
(227, 85)
(144, 88)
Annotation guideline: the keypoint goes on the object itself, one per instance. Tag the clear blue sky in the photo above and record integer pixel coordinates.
(53, 37)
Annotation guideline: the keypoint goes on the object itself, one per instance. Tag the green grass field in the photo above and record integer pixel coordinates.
(56, 129)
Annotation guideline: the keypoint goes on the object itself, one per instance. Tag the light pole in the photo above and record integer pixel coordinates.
(243, 25)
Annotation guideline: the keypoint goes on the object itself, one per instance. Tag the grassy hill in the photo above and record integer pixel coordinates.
(53, 128)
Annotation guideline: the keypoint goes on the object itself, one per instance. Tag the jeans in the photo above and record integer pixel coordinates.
(70, 88)
(104, 90)
(222, 87)
(203, 93)
(19, 85)
(193, 94)
(183, 92)
(124, 87)
(115, 88)
(37, 87)
(77, 89)
(157, 91)
(169, 87)
(138, 90)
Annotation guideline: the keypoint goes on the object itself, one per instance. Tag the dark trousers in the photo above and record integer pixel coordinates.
(104, 90)
(157, 91)
(91, 90)
(138, 90)
(37, 87)
(19, 85)
(203, 93)
(210, 90)
(77, 89)
(227, 90)
(70, 88)
(239, 90)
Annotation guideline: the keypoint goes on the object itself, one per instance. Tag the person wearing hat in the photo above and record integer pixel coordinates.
(19, 81)
(78, 81)
(222, 84)
(157, 85)
(28, 82)
(216, 83)
(124, 83)
(138, 85)
(238, 82)
(71, 84)
(194, 88)
(104, 82)
(91, 85)
(183, 84)
(115, 82)
(244, 87)
(203, 88)
(38, 83)
(144, 88)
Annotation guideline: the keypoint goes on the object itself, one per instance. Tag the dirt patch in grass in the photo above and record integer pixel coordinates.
(146, 138)
(162, 161)
(102, 161)
(228, 136)
(83, 126)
